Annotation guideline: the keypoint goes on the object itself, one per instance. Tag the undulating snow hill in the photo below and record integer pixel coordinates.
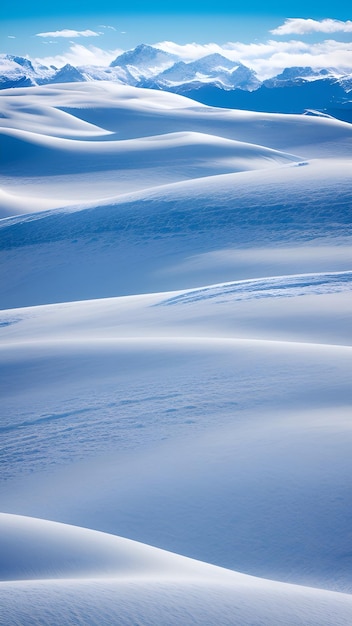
(108, 580)
(175, 286)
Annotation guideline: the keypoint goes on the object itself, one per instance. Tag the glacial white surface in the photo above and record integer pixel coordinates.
(175, 362)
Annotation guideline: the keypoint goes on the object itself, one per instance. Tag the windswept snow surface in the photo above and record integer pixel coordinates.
(175, 362)
(81, 576)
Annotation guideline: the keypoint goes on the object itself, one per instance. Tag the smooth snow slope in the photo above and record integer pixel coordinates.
(287, 220)
(175, 361)
(71, 575)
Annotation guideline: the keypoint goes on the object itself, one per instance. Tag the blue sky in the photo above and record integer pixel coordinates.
(41, 8)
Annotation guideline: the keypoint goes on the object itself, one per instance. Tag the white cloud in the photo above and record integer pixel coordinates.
(11, 37)
(300, 26)
(190, 51)
(81, 55)
(68, 33)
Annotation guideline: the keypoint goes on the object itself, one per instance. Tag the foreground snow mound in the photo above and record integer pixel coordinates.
(36, 549)
(69, 575)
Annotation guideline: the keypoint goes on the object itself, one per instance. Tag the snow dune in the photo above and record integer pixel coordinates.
(33, 117)
(111, 107)
(275, 309)
(51, 550)
(285, 220)
(109, 580)
(33, 152)
(175, 358)
(58, 131)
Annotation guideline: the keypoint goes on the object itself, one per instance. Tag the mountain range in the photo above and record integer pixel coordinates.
(213, 80)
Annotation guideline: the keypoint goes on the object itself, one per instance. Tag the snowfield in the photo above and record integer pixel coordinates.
(175, 362)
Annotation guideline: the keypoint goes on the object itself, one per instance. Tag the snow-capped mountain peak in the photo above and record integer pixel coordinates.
(144, 60)
(17, 71)
(68, 74)
(298, 75)
(22, 61)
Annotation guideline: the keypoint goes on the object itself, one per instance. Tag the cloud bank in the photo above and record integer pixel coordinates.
(81, 55)
(300, 26)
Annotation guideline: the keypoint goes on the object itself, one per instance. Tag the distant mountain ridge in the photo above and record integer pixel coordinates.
(144, 61)
(212, 69)
(213, 79)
